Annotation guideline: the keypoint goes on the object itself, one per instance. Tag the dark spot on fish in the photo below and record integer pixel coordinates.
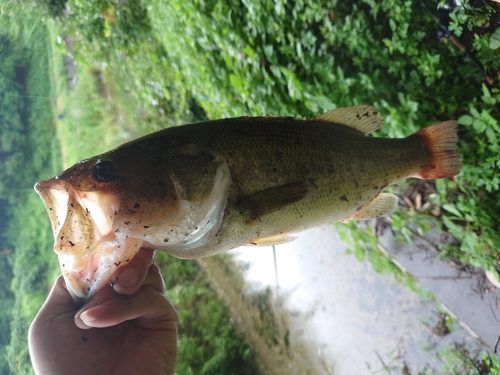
(71, 243)
(433, 166)
(115, 212)
(87, 210)
(137, 205)
(344, 198)
(165, 240)
(128, 260)
(62, 237)
(84, 339)
(72, 205)
(311, 181)
(145, 226)
(275, 169)
(50, 208)
(195, 228)
(126, 222)
(118, 263)
(117, 230)
(129, 211)
(356, 183)
(359, 208)
(375, 187)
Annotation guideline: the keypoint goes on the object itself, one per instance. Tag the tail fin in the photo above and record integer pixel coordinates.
(441, 140)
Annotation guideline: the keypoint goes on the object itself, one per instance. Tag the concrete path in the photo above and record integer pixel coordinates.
(352, 319)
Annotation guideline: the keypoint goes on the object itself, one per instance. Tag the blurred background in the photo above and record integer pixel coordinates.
(78, 77)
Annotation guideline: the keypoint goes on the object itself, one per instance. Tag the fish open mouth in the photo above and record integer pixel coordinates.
(88, 248)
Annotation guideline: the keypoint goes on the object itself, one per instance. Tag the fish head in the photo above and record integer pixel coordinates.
(101, 210)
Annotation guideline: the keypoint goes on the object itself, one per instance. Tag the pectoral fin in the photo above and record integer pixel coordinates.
(273, 199)
(272, 240)
(382, 205)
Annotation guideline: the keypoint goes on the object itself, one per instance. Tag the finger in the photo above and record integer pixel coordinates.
(59, 298)
(153, 280)
(129, 278)
(150, 308)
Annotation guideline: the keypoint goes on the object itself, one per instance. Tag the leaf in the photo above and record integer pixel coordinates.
(465, 120)
(452, 209)
(268, 51)
(495, 39)
(486, 92)
(479, 125)
(490, 134)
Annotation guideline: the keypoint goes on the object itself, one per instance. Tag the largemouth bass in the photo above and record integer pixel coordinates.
(201, 189)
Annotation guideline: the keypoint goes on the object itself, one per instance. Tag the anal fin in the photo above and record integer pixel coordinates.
(272, 240)
(382, 205)
(273, 199)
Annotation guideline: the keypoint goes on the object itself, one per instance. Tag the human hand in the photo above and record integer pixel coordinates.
(127, 328)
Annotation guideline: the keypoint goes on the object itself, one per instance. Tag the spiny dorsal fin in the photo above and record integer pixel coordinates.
(382, 205)
(363, 118)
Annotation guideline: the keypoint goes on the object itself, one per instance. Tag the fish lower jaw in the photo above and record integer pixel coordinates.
(86, 276)
(77, 274)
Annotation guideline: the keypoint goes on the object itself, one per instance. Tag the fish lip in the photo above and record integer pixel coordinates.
(52, 183)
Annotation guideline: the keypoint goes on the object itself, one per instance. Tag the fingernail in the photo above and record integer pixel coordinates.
(93, 313)
(128, 278)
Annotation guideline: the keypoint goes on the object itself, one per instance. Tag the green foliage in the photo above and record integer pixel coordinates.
(92, 125)
(208, 342)
(458, 360)
(470, 210)
(492, 363)
(27, 138)
(54, 7)
(363, 245)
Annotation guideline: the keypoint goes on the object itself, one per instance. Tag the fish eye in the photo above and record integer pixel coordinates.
(105, 171)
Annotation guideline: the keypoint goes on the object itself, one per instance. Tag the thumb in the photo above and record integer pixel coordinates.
(59, 300)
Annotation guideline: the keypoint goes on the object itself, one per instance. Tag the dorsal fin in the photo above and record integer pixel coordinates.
(363, 118)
